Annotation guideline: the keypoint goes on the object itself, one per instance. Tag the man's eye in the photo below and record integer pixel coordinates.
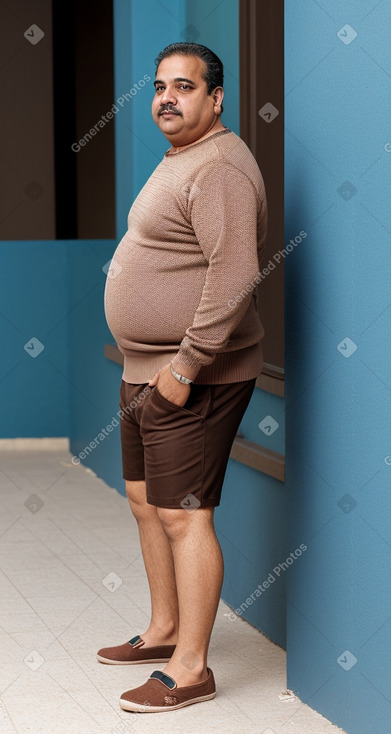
(185, 86)
(158, 87)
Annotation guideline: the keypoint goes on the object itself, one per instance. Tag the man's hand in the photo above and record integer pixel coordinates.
(175, 391)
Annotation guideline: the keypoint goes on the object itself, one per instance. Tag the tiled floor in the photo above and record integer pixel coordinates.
(72, 581)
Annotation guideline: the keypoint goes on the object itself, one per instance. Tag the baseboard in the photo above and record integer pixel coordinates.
(34, 444)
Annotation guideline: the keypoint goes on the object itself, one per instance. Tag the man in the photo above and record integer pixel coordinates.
(181, 304)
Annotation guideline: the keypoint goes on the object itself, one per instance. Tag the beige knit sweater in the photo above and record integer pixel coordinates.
(182, 282)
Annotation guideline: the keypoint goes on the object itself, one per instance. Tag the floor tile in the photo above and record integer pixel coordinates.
(73, 581)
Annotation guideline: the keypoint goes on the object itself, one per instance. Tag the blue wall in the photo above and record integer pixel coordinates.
(93, 380)
(52, 291)
(34, 306)
(338, 401)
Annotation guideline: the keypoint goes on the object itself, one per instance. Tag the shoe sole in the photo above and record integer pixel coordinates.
(131, 662)
(139, 708)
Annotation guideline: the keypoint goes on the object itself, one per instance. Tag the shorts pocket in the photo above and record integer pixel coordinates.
(165, 400)
(196, 404)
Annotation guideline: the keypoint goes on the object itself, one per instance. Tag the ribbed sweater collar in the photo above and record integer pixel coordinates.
(205, 140)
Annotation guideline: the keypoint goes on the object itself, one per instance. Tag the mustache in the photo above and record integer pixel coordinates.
(168, 108)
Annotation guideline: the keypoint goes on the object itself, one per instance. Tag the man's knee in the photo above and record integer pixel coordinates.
(137, 497)
(178, 523)
(174, 522)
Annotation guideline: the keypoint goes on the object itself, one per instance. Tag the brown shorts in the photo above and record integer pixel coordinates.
(181, 452)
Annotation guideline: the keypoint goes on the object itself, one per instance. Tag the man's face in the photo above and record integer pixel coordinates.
(179, 87)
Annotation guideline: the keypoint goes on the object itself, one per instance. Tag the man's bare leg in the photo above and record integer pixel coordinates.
(159, 565)
(199, 571)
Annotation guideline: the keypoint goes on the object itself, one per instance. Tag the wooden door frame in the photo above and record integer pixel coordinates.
(261, 62)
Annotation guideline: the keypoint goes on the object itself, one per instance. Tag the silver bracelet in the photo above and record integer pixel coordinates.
(180, 378)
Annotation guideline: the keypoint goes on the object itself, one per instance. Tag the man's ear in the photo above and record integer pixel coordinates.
(218, 96)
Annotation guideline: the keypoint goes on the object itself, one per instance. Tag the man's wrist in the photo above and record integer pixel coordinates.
(180, 378)
(184, 369)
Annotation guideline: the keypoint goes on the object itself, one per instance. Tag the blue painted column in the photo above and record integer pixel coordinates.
(338, 375)
(141, 30)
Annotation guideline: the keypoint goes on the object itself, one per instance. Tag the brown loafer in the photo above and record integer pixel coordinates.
(161, 693)
(133, 652)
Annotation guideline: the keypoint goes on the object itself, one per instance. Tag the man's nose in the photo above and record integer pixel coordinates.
(168, 96)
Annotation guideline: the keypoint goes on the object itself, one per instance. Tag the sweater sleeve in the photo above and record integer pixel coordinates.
(228, 216)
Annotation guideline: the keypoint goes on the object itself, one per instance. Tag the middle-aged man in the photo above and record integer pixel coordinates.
(180, 301)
